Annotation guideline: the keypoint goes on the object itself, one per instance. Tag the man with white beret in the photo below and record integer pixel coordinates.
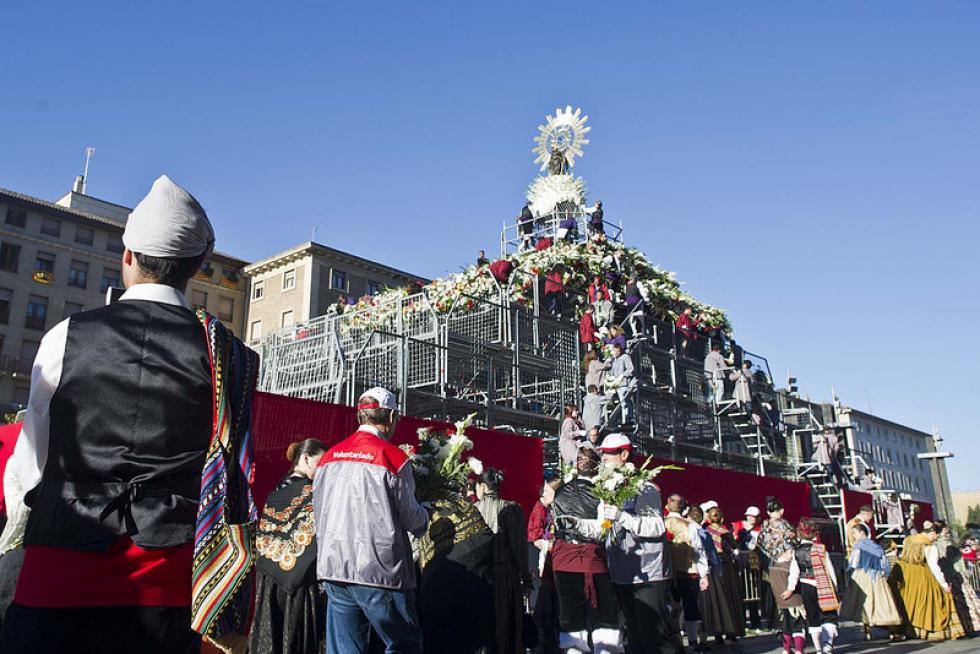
(119, 426)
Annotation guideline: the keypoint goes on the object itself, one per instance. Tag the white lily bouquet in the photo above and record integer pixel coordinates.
(437, 461)
(616, 486)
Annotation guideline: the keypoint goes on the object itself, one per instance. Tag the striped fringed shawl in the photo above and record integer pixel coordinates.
(224, 539)
(826, 595)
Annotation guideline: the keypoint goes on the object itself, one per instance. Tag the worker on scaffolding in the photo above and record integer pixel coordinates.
(525, 227)
(715, 365)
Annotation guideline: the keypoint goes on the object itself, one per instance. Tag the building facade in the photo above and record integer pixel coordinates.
(301, 283)
(58, 258)
(893, 451)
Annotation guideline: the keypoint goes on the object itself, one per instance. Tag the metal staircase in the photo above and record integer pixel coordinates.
(751, 434)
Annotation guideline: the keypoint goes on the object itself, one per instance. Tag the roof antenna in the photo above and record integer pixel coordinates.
(82, 182)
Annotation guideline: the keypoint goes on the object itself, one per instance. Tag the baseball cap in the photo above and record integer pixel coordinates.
(377, 398)
(753, 511)
(614, 443)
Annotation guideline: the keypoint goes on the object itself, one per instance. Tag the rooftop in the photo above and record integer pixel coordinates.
(52, 208)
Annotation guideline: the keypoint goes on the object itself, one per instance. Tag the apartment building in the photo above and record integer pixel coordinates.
(58, 258)
(302, 282)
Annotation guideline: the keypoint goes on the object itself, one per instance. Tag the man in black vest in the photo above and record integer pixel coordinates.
(118, 424)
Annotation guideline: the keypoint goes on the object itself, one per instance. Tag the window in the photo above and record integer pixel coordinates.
(9, 257)
(44, 262)
(78, 274)
(289, 279)
(72, 307)
(287, 319)
(256, 329)
(338, 280)
(84, 235)
(226, 308)
(199, 299)
(114, 244)
(258, 290)
(37, 312)
(110, 279)
(16, 217)
(373, 288)
(6, 297)
(51, 227)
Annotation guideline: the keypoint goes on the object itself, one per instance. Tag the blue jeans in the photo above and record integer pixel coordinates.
(352, 610)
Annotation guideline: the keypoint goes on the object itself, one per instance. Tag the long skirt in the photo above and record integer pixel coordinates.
(925, 605)
(967, 605)
(287, 623)
(869, 600)
(721, 605)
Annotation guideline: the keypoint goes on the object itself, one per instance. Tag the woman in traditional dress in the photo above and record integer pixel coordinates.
(290, 613)
(777, 540)
(571, 431)
(922, 591)
(868, 598)
(811, 574)
(510, 570)
(721, 605)
(954, 569)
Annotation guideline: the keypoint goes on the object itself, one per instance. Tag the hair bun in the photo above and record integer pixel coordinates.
(291, 451)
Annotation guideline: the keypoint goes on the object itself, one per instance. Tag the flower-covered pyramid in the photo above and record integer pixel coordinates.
(577, 263)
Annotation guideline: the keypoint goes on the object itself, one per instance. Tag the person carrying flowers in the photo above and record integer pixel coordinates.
(631, 520)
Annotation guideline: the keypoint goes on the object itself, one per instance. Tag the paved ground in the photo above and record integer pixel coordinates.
(851, 641)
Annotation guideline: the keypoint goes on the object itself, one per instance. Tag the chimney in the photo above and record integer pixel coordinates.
(79, 185)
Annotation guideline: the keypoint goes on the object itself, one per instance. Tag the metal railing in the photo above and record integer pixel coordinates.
(515, 237)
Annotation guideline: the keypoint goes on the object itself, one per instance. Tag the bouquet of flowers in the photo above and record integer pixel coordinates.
(616, 486)
(437, 461)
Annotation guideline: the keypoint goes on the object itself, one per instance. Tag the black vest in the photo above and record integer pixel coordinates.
(130, 425)
(804, 559)
(574, 500)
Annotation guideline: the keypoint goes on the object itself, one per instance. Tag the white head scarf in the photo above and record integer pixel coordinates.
(169, 222)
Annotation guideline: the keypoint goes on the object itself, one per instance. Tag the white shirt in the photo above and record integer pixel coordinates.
(31, 451)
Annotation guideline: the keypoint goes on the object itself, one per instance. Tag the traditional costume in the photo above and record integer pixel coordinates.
(791, 612)
(721, 605)
(687, 554)
(586, 599)
(776, 541)
(964, 598)
(920, 588)
(506, 521)
(136, 460)
(290, 614)
(456, 556)
(868, 599)
(811, 572)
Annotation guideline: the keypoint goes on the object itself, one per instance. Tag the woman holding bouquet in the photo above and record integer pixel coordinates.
(510, 571)
(290, 614)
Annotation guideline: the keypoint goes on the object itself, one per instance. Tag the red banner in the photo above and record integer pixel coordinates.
(280, 420)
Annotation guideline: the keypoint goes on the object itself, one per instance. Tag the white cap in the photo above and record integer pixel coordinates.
(753, 511)
(169, 222)
(377, 398)
(614, 443)
(707, 506)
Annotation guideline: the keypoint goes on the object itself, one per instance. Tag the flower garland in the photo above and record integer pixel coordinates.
(579, 262)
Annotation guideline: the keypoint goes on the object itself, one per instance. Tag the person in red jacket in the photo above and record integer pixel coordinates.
(686, 330)
(554, 291)
(586, 329)
(601, 299)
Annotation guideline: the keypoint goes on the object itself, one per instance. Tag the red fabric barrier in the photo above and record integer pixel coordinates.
(279, 421)
(924, 513)
(8, 438)
(734, 491)
(854, 500)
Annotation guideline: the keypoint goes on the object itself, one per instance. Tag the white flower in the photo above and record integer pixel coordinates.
(610, 484)
(629, 466)
(475, 465)
(461, 442)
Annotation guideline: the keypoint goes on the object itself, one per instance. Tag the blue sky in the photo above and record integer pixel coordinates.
(812, 167)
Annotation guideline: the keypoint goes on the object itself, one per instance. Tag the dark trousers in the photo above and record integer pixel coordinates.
(686, 591)
(646, 609)
(575, 613)
(99, 630)
(546, 618)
